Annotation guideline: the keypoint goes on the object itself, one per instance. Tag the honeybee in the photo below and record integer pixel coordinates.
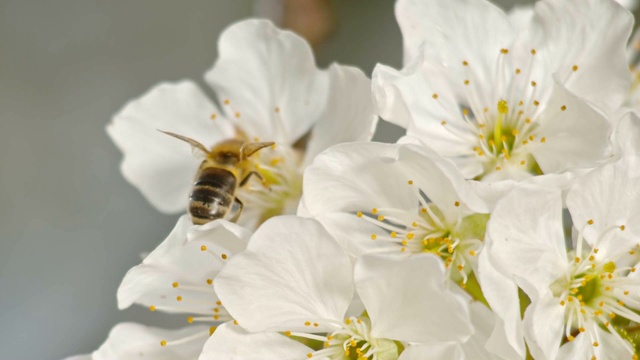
(225, 168)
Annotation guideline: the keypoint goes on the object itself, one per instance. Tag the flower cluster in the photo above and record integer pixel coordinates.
(505, 224)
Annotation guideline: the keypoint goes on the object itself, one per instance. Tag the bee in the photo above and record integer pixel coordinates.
(225, 168)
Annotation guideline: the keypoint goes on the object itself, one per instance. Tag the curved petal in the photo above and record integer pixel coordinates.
(609, 347)
(160, 166)
(543, 325)
(440, 181)
(387, 93)
(454, 30)
(591, 34)
(134, 341)
(178, 262)
(268, 81)
(575, 134)
(627, 135)
(407, 299)
(527, 240)
(355, 177)
(292, 272)
(231, 342)
(349, 114)
(507, 339)
(610, 197)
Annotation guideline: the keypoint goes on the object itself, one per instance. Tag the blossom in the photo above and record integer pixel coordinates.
(295, 279)
(583, 299)
(176, 277)
(268, 88)
(504, 100)
(397, 199)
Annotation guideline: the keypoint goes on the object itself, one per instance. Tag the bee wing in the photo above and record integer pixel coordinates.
(197, 149)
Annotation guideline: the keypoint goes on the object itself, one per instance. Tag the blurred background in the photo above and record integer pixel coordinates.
(70, 226)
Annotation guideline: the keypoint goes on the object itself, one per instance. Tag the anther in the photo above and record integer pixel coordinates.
(465, 63)
(533, 51)
(504, 51)
(163, 342)
(456, 204)
(227, 102)
(590, 221)
(533, 83)
(503, 108)
(175, 284)
(203, 248)
(435, 96)
(563, 107)
(410, 182)
(214, 116)
(575, 68)
(518, 71)
(466, 82)
(152, 308)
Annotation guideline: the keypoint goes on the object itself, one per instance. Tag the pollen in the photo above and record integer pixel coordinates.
(456, 204)
(563, 107)
(536, 102)
(190, 319)
(359, 214)
(307, 323)
(394, 234)
(503, 108)
(175, 284)
(163, 342)
(380, 217)
(533, 51)
(152, 308)
(227, 102)
(465, 63)
(277, 109)
(466, 82)
(237, 115)
(575, 68)
(374, 236)
(209, 281)
(435, 96)
(590, 222)
(374, 211)
(518, 71)
(443, 123)
(179, 298)
(570, 338)
(203, 248)
(410, 182)
(533, 83)
(543, 140)
(224, 256)
(214, 116)
(622, 227)
(504, 51)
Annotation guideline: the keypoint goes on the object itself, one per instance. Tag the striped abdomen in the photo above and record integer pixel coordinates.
(212, 195)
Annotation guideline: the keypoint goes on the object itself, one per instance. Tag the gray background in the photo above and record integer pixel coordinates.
(70, 226)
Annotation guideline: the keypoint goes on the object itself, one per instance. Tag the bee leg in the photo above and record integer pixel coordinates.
(236, 210)
(244, 181)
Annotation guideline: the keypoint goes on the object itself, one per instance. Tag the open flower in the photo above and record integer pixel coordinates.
(268, 88)
(295, 279)
(397, 199)
(176, 277)
(583, 300)
(503, 103)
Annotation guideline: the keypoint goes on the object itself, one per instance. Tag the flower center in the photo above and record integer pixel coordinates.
(280, 190)
(351, 340)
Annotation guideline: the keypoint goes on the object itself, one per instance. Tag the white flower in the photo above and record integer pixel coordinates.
(176, 277)
(583, 301)
(396, 199)
(295, 279)
(135, 341)
(503, 103)
(268, 87)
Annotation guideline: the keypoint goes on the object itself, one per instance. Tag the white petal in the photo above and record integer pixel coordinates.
(543, 322)
(79, 357)
(230, 342)
(591, 34)
(454, 30)
(609, 348)
(134, 341)
(349, 114)
(440, 181)
(270, 79)
(442, 351)
(292, 272)
(527, 240)
(575, 137)
(520, 16)
(610, 196)
(627, 135)
(387, 94)
(355, 177)
(179, 258)
(501, 292)
(160, 166)
(407, 299)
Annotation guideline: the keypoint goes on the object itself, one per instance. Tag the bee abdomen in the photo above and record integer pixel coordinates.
(212, 195)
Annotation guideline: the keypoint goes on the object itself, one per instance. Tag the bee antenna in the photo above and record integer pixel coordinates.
(188, 140)
(249, 149)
